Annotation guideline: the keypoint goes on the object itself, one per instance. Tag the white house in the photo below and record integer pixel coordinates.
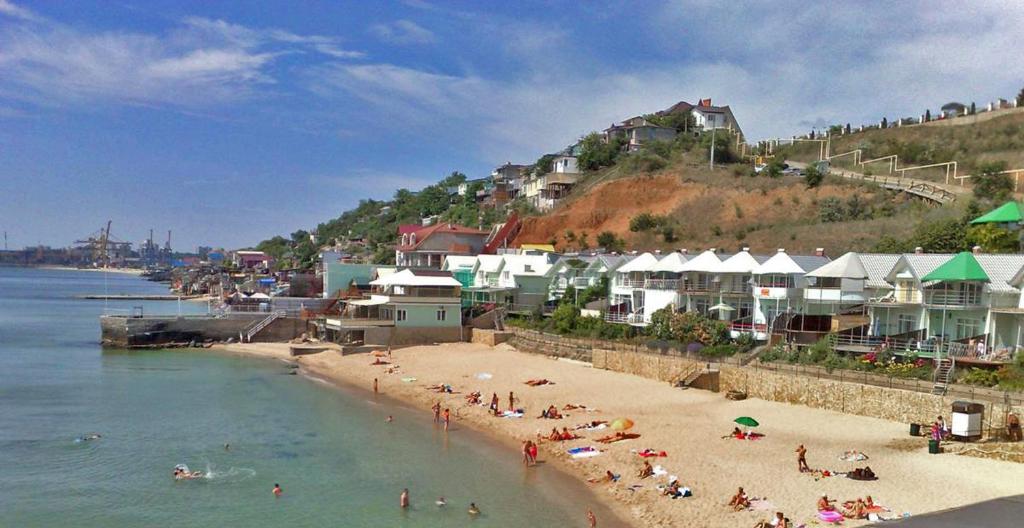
(626, 292)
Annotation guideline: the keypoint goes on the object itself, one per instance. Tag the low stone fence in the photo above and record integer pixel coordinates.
(858, 393)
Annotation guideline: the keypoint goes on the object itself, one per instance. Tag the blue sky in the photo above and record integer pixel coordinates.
(231, 122)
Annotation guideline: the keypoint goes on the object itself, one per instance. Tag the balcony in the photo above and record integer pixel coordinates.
(833, 295)
(616, 317)
(954, 298)
(630, 283)
(773, 292)
(661, 284)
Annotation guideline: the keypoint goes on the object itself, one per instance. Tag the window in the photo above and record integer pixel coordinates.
(967, 328)
(504, 275)
(701, 306)
(401, 315)
(906, 323)
(442, 314)
(746, 310)
(528, 268)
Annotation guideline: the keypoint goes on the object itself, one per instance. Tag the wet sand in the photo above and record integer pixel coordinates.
(688, 425)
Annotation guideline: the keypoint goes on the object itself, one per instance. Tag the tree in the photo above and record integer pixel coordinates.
(774, 168)
(831, 210)
(564, 318)
(583, 242)
(1020, 98)
(974, 109)
(453, 179)
(644, 222)
(812, 176)
(993, 239)
(595, 153)
(610, 242)
(990, 185)
(543, 165)
(948, 236)
(927, 116)
(885, 123)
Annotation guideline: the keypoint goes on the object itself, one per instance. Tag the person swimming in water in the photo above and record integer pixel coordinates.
(277, 490)
(88, 437)
(441, 503)
(473, 510)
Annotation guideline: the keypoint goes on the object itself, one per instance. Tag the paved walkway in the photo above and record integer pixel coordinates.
(1007, 512)
(936, 192)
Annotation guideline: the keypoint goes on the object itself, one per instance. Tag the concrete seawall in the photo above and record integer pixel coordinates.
(137, 332)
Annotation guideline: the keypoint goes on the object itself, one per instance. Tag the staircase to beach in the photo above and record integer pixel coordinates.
(261, 324)
(944, 368)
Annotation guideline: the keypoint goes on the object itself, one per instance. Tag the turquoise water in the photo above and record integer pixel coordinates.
(338, 461)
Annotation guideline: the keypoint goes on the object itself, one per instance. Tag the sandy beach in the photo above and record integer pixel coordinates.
(687, 424)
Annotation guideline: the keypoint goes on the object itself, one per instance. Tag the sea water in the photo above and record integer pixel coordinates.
(333, 453)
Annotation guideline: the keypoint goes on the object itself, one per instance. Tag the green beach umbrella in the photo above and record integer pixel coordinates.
(747, 421)
(1008, 213)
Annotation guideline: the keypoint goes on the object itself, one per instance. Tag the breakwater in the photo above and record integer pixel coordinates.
(161, 331)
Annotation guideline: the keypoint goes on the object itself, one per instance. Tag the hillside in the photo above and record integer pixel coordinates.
(729, 209)
(971, 141)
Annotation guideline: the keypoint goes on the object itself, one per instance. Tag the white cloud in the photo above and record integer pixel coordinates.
(198, 63)
(403, 32)
(9, 9)
(372, 183)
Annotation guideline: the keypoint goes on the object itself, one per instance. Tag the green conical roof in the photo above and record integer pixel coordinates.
(962, 267)
(1009, 212)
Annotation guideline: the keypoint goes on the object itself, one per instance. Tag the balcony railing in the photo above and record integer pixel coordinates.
(953, 298)
(661, 284)
(616, 317)
(630, 283)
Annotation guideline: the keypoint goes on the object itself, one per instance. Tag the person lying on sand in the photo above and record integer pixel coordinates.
(440, 387)
(648, 452)
(672, 490)
(739, 501)
(825, 504)
(617, 437)
(856, 510)
(573, 407)
(646, 471)
(607, 477)
(538, 382)
(551, 412)
(736, 433)
(379, 361)
(555, 436)
(779, 521)
(473, 398)
(591, 424)
(566, 435)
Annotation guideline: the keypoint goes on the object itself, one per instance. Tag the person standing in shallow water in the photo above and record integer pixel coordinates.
(447, 419)
(591, 519)
(437, 412)
(403, 501)
(277, 490)
(375, 385)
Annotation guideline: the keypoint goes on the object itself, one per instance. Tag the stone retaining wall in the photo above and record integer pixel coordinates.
(872, 397)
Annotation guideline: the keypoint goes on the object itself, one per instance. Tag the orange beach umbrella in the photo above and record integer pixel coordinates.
(622, 424)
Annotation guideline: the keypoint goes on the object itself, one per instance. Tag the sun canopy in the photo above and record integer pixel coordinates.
(642, 263)
(962, 267)
(672, 263)
(1007, 213)
(779, 264)
(707, 262)
(847, 266)
(741, 262)
(259, 296)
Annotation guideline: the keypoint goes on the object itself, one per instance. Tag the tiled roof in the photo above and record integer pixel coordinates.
(424, 233)
(878, 266)
(1000, 269)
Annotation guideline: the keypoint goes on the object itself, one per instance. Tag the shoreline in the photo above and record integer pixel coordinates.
(124, 271)
(609, 514)
(687, 424)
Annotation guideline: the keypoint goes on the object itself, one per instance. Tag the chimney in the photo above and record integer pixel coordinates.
(632, 252)
(781, 250)
(976, 250)
(684, 251)
(657, 252)
(745, 249)
(713, 250)
(819, 252)
(918, 250)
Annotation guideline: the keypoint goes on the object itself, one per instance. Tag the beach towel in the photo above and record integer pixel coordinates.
(597, 427)
(584, 452)
(484, 376)
(853, 456)
(408, 380)
(830, 516)
(658, 471)
(510, 414)
(761, 505)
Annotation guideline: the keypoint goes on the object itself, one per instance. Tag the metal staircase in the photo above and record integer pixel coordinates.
(261, 324)
(943, 374)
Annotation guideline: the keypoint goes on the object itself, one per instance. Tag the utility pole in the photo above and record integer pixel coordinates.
(711, 119)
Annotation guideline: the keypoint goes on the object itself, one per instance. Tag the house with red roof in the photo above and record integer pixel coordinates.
(427, 246)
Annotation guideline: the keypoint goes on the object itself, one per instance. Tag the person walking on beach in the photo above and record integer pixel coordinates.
(511, 402)
(403, 500)
(533, 452)
(447, 419)
(801, 459)
(526, 453)
(277, 490)
(591, 519)
(437, 412)
(494, 403)
(375, 385)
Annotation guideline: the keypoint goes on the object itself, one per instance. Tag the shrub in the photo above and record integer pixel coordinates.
(831, 210)
(644, 222)
(610, 242)
(563, 319)
(990, 185)
(812, 176)
(715, 230)
(980, 377)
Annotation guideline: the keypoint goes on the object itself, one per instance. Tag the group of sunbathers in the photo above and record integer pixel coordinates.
(556, 436)
(855, 509)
